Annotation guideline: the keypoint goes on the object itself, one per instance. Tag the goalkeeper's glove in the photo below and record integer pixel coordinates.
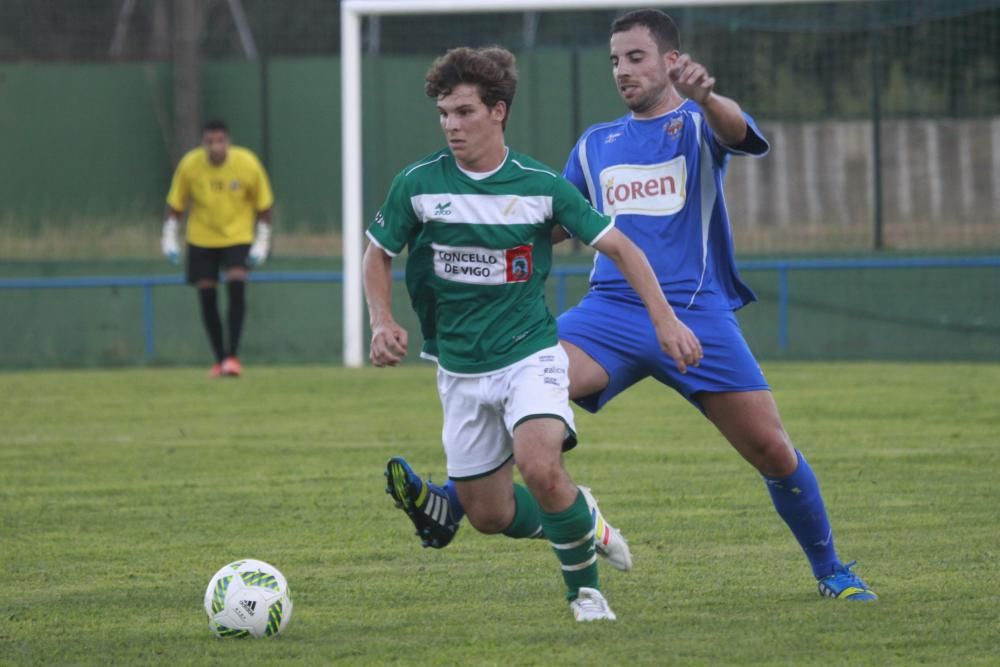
(168, 241)
(261, 244)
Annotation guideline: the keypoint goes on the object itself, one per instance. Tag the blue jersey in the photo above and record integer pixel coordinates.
(661, 180)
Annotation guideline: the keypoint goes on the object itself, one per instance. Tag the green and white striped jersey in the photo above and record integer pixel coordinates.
(480, 251)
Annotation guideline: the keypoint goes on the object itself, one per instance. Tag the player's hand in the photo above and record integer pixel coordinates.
(169, 244)
(261, 247)
(691, 79)
(389, 343)
(678, 341)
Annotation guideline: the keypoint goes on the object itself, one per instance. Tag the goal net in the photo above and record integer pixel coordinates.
(884, 117)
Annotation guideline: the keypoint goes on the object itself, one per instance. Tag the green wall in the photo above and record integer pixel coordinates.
(93, 139)
(82, 139)
(305, 141)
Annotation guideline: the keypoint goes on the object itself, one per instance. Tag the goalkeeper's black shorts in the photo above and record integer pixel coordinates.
(207, 263)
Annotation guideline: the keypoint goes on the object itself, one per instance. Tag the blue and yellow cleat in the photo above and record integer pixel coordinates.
(845, 585)
(427, 504)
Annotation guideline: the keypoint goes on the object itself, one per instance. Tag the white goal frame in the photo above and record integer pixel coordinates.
(351, 13)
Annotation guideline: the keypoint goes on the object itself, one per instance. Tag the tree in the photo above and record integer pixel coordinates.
(189, 24)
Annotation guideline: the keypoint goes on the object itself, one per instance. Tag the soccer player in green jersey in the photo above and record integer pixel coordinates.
(478, 219)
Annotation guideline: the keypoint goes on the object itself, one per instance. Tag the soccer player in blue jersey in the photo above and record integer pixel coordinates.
(659, 171)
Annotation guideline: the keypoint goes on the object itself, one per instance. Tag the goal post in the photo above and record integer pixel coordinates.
(351, 14)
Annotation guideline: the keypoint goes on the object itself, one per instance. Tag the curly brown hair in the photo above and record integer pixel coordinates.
(491, 69)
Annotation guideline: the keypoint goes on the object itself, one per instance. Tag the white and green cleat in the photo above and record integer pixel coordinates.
(608, 541)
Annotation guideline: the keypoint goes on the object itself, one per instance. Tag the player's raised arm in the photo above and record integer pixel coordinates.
(723, 115)
(676, 339)
(389, 340)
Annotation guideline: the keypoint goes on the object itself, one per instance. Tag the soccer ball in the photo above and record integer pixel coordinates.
(248, 598)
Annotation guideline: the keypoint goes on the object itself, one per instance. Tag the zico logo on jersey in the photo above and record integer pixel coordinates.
(645, 189)
(483, 266)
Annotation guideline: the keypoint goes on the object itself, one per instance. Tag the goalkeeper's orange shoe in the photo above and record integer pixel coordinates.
(215, 371)
(231, 367)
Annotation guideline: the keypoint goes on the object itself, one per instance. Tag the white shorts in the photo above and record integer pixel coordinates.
(481, 412)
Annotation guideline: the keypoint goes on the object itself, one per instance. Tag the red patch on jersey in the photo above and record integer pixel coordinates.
(519, 264)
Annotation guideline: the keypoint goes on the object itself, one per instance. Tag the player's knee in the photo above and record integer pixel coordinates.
(488, 524)
(543, 478)
(775, 454)
(489, 519)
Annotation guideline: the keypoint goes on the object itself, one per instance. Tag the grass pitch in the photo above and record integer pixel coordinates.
(122, 492)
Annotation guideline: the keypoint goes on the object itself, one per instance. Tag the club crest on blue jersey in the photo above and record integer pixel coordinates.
(674, 127)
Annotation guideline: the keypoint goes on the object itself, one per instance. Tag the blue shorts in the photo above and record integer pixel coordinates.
(620, 337)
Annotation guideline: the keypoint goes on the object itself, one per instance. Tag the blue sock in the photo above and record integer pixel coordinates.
(799, 502)
(457, 511)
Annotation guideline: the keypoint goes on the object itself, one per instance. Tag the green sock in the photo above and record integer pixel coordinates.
(571, 534)
(527, 520)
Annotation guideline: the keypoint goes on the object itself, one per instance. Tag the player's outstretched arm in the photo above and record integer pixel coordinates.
(389, 340)
(723, 115)
(675, 338)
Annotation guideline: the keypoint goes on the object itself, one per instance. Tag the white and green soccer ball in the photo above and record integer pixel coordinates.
(248, 598)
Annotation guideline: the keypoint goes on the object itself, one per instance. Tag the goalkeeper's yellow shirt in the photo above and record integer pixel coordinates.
(224, 199)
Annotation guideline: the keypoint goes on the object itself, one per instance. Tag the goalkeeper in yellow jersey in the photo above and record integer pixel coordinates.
(228, 197)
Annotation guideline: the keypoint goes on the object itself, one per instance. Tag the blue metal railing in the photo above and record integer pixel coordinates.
(785, 266)
(147, 283)
(560, 274)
